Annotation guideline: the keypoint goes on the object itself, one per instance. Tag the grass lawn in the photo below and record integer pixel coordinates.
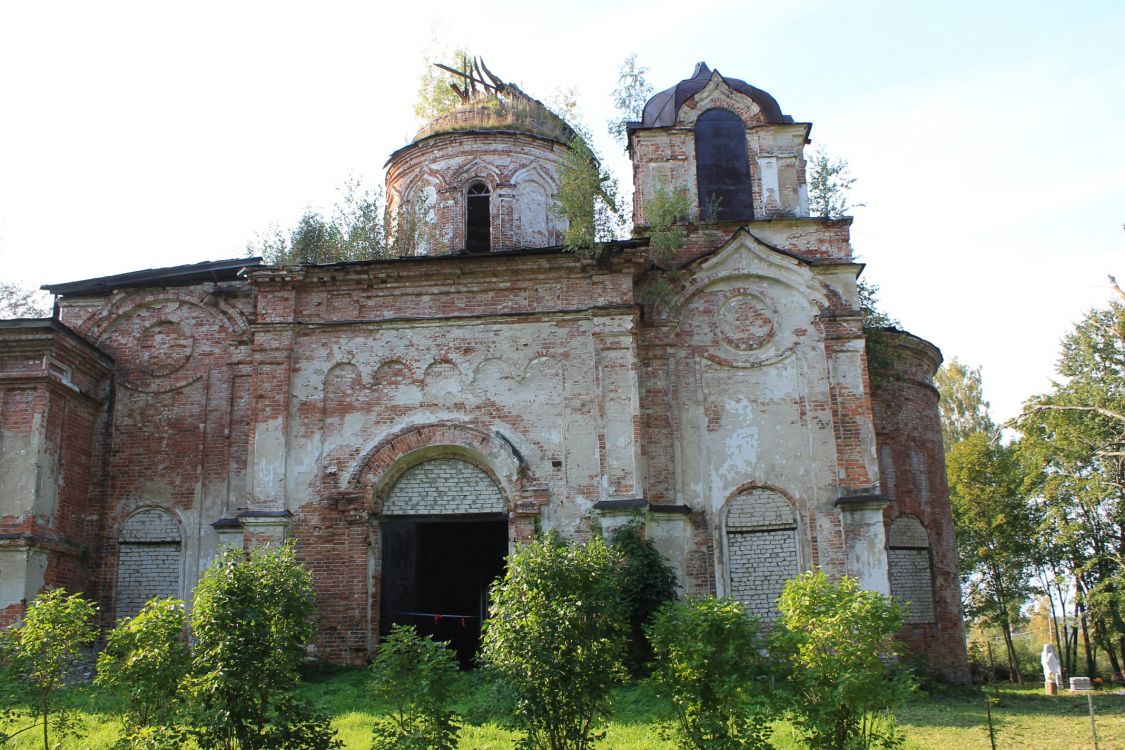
(1024, 718)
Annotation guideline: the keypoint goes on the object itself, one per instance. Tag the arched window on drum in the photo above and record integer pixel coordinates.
(478, 219)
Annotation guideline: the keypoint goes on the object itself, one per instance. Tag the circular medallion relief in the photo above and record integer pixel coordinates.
(163, 348)
(745, 322)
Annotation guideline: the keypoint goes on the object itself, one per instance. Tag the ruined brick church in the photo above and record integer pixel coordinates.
(406, 421)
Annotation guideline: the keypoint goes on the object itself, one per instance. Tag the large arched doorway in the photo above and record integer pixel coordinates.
(444, 538)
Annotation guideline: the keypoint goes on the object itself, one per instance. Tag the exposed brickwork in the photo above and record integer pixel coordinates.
(54, 389)
(760, 564)
(912, 466)
(912, 583)
(151, 525)
(761, 534)
(145, 571)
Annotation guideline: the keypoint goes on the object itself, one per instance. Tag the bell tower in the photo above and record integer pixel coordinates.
(726, 144)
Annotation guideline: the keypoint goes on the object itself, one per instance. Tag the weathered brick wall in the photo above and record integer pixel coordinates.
(912, 466)
(753, 375)
(53, 389)
(180, 414)
(761, 562)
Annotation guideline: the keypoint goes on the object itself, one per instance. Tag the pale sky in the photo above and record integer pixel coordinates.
(986, 137)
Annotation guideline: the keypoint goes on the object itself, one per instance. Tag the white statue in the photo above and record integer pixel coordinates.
(1052, 672)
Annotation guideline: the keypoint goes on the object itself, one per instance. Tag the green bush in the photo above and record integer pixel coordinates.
(556, 636)
(707, 658)
(415, 674)
(38, 657)
(144, 661)
(251, 622)
(647, 582)
(837, 640)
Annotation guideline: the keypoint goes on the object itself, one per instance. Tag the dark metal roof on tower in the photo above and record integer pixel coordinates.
(661, 109)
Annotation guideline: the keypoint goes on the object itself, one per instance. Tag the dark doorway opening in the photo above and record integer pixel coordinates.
(436, 575)
(478, 222)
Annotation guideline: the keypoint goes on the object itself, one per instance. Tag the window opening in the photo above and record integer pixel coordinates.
(478, 219)
(722, 166)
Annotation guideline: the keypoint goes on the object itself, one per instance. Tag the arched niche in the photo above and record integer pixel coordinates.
(910, 568)
(762, 551)
(149, 560)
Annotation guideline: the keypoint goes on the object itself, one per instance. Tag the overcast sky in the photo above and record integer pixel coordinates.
(986, 136)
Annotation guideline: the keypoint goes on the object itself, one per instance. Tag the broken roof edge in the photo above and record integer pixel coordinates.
(611, 246)
(211, 270)
(18, 326)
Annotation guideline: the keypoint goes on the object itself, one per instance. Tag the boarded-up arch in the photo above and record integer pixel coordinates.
(148, 560)
(762, 550)
(911, 573)
(722, 166)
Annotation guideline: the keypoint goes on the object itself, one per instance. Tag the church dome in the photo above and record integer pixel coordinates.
(512, 113)
(661, 109)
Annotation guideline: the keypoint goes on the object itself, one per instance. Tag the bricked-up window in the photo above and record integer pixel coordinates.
(443, 486)
(478, 219)
(762, 552)
(722, 166)
(148, 560)
(908, 558)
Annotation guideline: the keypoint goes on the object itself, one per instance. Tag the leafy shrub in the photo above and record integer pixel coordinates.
(666, 213)
(251, 621)
(557, 637)
(647, 582)
(144, 661)
(707, 657)
(834, 637)
(415, 674)
(39, 655)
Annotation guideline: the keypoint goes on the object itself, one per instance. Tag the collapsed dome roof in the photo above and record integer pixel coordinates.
(661, 109)
(511, 112)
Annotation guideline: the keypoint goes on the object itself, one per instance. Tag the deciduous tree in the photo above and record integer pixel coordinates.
(708, 655)
(144, 662)
(1074, 437)
(20, 302)
(995, 527)
(963, 408)
(830, 183)
(39, 653)
(629, 97)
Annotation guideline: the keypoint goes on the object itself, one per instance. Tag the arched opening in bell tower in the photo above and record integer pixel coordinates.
(478, 219)
(722, 166)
